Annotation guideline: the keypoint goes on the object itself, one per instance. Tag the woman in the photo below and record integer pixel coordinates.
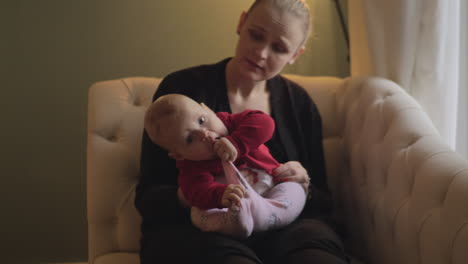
(271, 34)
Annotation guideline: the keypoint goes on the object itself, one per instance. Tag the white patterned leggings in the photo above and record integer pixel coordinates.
(279, 206)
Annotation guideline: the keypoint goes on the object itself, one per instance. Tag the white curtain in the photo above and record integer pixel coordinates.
(416, 44)
(462, 131)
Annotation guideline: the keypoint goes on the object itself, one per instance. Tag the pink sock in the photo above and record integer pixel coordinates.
(235, 221)
(278, 208)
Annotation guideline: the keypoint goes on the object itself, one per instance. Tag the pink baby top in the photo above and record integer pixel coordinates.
(248, 131)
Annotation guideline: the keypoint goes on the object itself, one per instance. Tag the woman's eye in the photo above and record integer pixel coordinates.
(255, 35)
(202, 120)
(280, 48)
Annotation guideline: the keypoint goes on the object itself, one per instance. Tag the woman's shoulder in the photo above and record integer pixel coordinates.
(187, 81)
(295, 90)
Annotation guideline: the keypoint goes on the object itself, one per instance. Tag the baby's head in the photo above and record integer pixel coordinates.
(183, 127)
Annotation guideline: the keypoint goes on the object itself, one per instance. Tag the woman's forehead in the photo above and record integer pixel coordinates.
(268, 18)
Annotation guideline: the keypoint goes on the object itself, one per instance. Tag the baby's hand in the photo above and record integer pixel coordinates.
(233, 195)
(225, 149)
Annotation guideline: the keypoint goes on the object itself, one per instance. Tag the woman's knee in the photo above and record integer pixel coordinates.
(311, 231)
(303, 235)
(236, 259)
(312, 239)
(187, 245)
(317, 255)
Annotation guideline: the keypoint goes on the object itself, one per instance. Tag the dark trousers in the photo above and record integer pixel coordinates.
(303, 241)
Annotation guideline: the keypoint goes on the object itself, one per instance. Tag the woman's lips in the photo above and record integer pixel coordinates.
(253, 64)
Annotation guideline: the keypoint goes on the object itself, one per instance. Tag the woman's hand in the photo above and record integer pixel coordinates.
(292, 171)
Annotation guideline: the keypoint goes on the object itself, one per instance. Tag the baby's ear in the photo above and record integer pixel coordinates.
(175, 156)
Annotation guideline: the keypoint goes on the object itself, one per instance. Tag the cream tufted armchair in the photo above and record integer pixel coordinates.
(402, 193)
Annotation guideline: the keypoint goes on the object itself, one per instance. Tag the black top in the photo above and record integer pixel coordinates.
(298, 136)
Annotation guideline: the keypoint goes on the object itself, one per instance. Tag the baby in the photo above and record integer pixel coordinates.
(207, 144)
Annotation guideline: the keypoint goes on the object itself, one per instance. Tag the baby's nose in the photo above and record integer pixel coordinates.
(203, 134)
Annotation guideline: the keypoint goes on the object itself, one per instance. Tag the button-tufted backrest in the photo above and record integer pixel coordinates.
(403, 178)
(402, 193)
(115, 116)
(115, 124)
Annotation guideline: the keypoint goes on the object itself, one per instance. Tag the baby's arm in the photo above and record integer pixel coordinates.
(249, 130)
(200, 190)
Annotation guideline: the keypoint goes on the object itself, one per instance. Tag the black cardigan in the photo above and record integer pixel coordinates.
(298, 137)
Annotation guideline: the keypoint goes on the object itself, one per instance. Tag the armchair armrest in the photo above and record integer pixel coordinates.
(405, 197)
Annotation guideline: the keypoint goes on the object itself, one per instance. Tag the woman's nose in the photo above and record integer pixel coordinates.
(261, 51)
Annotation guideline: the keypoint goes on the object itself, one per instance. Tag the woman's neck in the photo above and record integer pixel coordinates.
(246, 94)
(240, 86)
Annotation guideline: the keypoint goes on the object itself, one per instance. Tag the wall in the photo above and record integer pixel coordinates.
(52, 51)
(326, 51)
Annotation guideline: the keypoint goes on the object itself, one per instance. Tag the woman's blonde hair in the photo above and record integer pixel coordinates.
(298, 8)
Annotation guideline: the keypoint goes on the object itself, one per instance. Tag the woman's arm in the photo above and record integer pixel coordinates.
(300, 128)
(310, 122)
(156, 194)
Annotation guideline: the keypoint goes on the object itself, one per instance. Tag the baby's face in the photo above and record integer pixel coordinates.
(192, 131)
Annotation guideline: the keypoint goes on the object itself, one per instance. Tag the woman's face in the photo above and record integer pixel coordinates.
(268, 39)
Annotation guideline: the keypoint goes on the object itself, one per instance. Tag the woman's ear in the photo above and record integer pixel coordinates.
(298, 53)
(242, 19)
(175, 156)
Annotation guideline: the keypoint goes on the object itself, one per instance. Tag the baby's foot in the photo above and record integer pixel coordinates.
(236, 221)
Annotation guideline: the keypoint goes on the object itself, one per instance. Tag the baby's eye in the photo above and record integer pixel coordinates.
(202, 120)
